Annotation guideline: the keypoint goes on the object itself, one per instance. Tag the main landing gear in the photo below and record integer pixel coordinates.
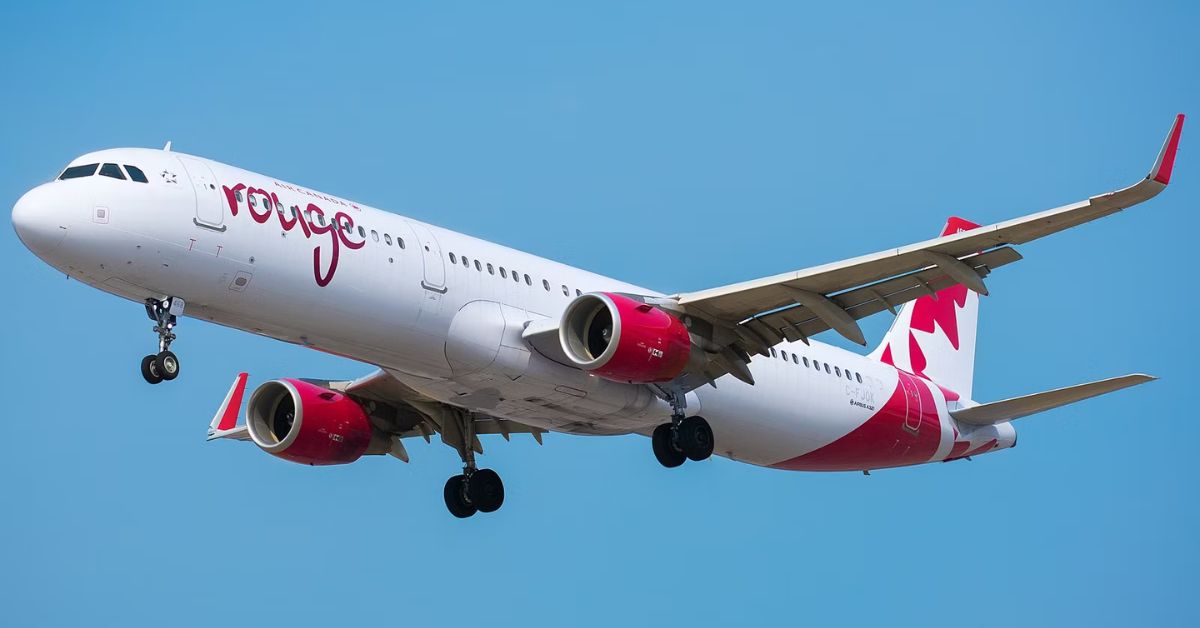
(163, 366)
(683, 439)
(474, 490)
(678, 441)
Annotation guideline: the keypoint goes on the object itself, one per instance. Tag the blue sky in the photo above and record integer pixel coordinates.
(680, 146)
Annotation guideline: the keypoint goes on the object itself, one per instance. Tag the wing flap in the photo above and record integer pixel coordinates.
(1017, 407)
(800, 322)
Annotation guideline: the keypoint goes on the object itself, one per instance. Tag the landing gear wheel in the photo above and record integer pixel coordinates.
(167, 365)
(456, 500)
(485, 490)
(164, 313)
(150, 370)
(668, 453)
(695, 438)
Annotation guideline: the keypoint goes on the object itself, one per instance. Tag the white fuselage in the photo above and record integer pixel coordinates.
(443, 313)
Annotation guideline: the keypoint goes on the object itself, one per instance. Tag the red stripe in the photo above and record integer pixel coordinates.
(882, 441)
(982, 448)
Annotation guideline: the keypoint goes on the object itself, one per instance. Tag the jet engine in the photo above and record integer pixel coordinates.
(308, 424)
(622, 339)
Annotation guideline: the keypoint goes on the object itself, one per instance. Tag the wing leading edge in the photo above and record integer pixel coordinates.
(799, 304)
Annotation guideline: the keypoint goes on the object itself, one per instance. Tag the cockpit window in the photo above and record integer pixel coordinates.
(136, 174)
(111, 170)
(75, 172)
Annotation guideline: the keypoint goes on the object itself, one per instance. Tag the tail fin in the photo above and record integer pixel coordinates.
(934, 337)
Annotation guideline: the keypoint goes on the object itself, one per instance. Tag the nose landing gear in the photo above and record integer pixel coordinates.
(163, 366)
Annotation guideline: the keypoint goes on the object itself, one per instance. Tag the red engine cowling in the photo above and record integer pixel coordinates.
(622, 339)
(306, 423)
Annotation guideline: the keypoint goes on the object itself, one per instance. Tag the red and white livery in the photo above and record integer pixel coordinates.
(472, 338)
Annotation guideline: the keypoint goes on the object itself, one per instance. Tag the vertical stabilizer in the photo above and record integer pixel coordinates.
(935, 337)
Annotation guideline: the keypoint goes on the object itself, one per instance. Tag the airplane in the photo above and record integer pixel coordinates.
(470, 338)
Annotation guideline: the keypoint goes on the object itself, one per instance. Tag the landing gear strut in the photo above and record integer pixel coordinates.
(474, 490)
(163, 366)
(684, 438)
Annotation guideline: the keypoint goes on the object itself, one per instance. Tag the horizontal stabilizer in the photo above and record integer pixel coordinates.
(1017, 407)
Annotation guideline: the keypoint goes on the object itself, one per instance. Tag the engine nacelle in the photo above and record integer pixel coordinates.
(622, 339)
(306, 423)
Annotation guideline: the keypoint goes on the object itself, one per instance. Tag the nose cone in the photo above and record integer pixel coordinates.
(35, 219)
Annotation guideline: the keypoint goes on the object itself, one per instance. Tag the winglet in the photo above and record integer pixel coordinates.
(225, 420)
(1161, 171)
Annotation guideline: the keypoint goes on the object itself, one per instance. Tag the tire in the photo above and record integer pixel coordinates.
(696, 438)
(454, 498)
(665, 450)
(150, 370)
(167, 364)
(486, 490)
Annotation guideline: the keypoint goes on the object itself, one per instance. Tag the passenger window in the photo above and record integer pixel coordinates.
(76, 172)
(827, 368)
(783, 354)
(503, 273)
(848, 375)
(453, 259)
(528, 280)
(361, 233)
(400, 241)
(238, 195)
(578, 293)
(491, 269)
(773, 354)
(387, 239)
(466, 263)
(111, 170)
(858, 376)
(566, 291)
(806, 361)
(838, 371)
(478, 266)
(136, 174)
(516, 277)
(795, 360)
(546, 285)
(374, 235)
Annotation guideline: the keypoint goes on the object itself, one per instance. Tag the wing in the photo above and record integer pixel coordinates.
(1017, 407)
(394, 409)
(754, 315)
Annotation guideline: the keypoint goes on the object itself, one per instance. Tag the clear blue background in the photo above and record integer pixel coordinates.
(680, 146)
